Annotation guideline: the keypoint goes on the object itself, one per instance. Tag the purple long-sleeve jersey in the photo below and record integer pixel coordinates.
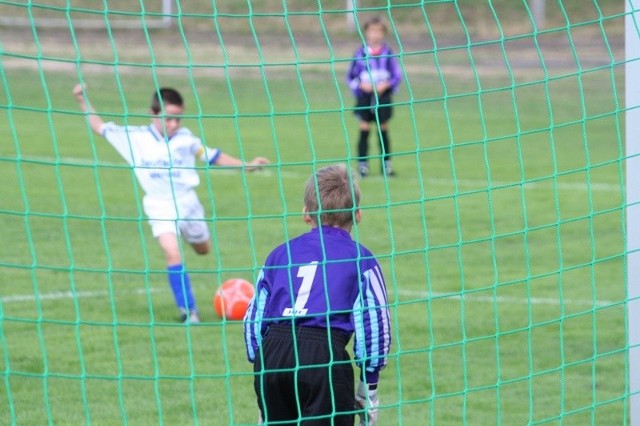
(324, 279)
(374, 68)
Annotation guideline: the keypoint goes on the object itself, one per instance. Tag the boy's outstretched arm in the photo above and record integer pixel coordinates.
(95, 121)
(228, 160)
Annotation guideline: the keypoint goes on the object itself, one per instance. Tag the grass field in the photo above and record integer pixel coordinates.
(501, 239)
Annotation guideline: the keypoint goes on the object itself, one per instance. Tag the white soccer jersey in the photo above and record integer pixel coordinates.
(164, 168)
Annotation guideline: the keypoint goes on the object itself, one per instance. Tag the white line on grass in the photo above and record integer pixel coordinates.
(504, 299)
(60, 295)
(273, 171)
(594, 186)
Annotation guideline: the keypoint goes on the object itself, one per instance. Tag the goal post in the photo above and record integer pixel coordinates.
(632, 155)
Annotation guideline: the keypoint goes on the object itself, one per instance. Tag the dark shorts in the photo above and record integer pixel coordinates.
(312, 376)
(370, 108)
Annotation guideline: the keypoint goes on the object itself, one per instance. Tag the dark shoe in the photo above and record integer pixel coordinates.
(190, 318)
(364, 171)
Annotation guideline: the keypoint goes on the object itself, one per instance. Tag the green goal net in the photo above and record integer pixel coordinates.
(501, 237)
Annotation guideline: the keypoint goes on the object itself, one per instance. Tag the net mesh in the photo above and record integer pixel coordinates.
(501, 237)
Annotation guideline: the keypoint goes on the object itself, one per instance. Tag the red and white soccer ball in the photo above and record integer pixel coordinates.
(232, 298)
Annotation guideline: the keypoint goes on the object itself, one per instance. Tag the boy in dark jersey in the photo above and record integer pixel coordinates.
(373, 76)
(313, 293)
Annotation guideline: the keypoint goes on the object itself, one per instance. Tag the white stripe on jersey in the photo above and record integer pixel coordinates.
(377, 284)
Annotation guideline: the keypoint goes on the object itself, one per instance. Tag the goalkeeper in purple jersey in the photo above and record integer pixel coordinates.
(313, 293)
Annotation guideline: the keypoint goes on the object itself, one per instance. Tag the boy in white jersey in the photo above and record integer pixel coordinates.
(163, 156)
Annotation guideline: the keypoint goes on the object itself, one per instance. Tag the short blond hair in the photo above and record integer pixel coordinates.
(338, 199)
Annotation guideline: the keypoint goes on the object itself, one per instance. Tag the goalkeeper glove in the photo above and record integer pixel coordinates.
(367, 400)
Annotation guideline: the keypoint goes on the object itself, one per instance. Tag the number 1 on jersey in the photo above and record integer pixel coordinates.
(307, 273)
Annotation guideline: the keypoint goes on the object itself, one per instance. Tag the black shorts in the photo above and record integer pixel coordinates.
(370, 107)
(311, 378)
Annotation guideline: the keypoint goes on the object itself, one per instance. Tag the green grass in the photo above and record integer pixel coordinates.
(501, 241)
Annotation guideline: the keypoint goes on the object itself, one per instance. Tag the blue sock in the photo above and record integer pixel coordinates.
(181, 287)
